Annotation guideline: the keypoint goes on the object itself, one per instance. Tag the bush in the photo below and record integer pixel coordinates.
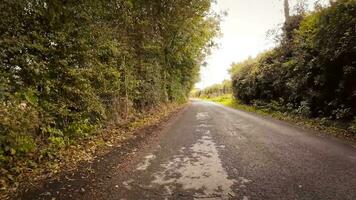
(70, 68)
(313, 70)
(352, 126)
(304, 109)
(215, 90)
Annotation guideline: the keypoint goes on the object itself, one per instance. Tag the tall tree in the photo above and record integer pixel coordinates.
(286, 10)
(68, 68)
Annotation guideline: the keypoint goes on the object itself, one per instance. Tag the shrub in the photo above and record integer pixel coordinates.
(312, 71)
(352, 126)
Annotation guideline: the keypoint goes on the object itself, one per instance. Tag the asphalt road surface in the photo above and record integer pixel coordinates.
(214, 152)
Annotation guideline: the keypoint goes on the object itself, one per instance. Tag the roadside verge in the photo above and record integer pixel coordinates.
(324, 126)
(77, 160)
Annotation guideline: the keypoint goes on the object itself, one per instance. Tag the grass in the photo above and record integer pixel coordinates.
(327, 126)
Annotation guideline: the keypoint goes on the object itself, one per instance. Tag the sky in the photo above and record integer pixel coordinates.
(243, 34)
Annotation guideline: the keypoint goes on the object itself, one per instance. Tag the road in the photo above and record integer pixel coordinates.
(214, 152)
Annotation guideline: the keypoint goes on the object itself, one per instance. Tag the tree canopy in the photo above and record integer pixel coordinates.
(313, 69)
(70, 67)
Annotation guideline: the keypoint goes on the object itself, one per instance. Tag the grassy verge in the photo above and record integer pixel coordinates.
(33, 169)
(327, 126)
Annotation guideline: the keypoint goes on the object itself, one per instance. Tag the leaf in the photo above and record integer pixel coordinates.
(31, 97)
(12, 151)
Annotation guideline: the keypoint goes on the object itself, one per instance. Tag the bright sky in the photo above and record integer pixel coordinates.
(244, 34)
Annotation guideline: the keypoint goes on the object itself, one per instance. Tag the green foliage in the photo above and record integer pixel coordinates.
(352, 126)
(313, 70)
(216, 90)
(274, 109)
(68, 68)
(58, 142)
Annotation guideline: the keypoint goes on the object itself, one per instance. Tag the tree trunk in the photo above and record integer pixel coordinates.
(286, 9)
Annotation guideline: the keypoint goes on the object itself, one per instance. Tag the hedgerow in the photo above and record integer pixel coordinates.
(70, 68)
(312, 72)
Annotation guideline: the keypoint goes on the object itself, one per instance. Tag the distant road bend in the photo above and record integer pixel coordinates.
(214, 152)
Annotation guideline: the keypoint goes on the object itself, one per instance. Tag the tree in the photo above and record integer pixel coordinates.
(70, 68)
(312, 71)
(286, 10)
